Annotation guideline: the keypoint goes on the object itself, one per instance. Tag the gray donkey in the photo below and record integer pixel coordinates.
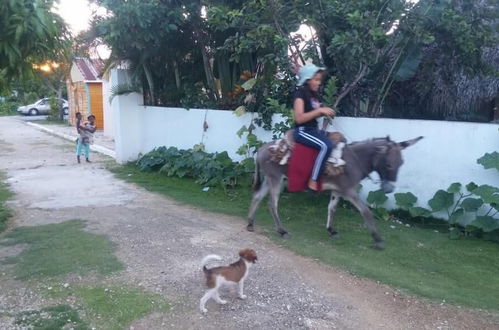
(380, 155)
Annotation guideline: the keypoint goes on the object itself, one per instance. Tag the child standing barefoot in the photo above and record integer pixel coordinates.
(86, 138)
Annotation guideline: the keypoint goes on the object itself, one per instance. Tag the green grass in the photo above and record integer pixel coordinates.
(51, 318)
(112, 307)
(416, 260)
(5, 213)
(60, 249)
(117, 307)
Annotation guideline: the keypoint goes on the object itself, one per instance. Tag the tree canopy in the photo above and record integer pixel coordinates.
(383, 54)
(30, 34)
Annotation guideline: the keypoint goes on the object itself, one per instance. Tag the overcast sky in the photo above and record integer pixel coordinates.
(76, 13)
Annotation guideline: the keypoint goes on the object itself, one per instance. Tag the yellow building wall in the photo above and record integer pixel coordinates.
(96, 103)
(78, 102)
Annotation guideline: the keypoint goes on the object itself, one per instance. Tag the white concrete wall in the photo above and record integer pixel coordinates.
(447, 154)
(108, 113)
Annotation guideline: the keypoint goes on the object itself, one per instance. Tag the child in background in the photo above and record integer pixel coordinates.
(86, 138)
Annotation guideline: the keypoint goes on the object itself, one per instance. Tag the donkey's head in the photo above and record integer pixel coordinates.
(387, 161)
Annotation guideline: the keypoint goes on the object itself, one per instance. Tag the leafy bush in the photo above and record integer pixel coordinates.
(209, 169)
(55, 109)
(8, 108)
(470, 211)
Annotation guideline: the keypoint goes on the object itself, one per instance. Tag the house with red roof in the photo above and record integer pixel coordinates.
(85, 90)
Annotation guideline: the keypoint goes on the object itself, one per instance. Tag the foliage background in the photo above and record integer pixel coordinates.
(430, 59)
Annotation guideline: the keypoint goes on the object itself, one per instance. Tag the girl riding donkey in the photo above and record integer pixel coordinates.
(380, 155)
(307, 109)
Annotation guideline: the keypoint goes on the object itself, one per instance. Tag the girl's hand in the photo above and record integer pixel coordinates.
(325, 111)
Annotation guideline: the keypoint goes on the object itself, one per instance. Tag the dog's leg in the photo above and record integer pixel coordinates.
(217, 298)
(241, 287)
(209, 294)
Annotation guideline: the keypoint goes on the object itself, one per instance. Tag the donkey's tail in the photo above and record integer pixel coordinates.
(257, 180)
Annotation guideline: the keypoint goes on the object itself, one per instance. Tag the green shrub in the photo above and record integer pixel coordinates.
(8, 108)
(55, 109)
(209, 169)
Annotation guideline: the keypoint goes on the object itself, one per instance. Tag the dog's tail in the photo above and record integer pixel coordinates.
(209, 258)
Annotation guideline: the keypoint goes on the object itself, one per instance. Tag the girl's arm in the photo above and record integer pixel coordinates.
(302, 117)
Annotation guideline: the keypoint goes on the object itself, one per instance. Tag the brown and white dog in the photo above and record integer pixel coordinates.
(235, 273)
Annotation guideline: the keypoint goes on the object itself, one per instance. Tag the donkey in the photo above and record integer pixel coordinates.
(380, 155)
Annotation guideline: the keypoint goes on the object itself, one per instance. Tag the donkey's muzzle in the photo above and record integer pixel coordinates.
(387, 187)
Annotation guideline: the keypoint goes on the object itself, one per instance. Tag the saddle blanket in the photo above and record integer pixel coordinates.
(300, 167)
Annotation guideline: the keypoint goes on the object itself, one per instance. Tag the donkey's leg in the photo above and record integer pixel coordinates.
(275, 191)
(257, 198)
(368, 218)
(331, 208)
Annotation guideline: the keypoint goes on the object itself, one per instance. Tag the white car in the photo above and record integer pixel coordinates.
(41, 107)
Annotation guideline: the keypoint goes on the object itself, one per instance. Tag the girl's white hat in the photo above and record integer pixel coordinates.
(306, 72)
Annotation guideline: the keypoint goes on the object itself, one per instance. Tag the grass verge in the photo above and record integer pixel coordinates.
(113, 307)
(5, 213)
(416, 259)
(60, 249)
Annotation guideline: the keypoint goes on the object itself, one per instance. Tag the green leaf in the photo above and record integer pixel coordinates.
(405, 200)
(242, 130)
(471, 204)
(489, 160)
(485, 223)
(419, 211)
(442, 200)
(456, 216)
(240, 110)
(377, 197)
(454, 188)
(381, 213)
(249, 84)
(471, 186)
(410, 64)
(488, 193)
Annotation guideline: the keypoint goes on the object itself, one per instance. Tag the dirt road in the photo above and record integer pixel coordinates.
(162, 242)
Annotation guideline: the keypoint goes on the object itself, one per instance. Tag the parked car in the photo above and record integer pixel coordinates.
(41, 107)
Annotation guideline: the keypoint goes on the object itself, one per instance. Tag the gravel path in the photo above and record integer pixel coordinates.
(162, 242)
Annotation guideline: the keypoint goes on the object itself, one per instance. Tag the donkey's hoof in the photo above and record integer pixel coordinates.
(285, 235)
(379, 245)
(250, 228)
(334, 233)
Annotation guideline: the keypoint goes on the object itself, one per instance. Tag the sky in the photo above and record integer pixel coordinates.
(76, 13)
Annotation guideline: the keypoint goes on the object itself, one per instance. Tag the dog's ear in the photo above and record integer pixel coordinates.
(242, 253)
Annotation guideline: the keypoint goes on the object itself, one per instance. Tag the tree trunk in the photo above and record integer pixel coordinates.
(61, 108)
(210, 79)
(177, 74)
(150, 82)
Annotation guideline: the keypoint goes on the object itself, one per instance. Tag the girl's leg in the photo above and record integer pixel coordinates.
(319, 141)
(87, 151)
(78, 150)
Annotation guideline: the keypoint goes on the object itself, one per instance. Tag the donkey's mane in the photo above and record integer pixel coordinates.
(381, 140)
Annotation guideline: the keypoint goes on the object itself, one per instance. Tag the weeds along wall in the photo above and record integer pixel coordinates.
(447, 154)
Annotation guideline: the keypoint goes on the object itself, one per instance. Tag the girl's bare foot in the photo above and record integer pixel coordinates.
(313, 185)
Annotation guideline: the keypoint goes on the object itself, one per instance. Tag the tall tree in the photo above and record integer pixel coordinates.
(30, 34)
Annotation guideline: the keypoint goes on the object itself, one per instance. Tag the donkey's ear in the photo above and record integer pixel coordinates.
(409, 143)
